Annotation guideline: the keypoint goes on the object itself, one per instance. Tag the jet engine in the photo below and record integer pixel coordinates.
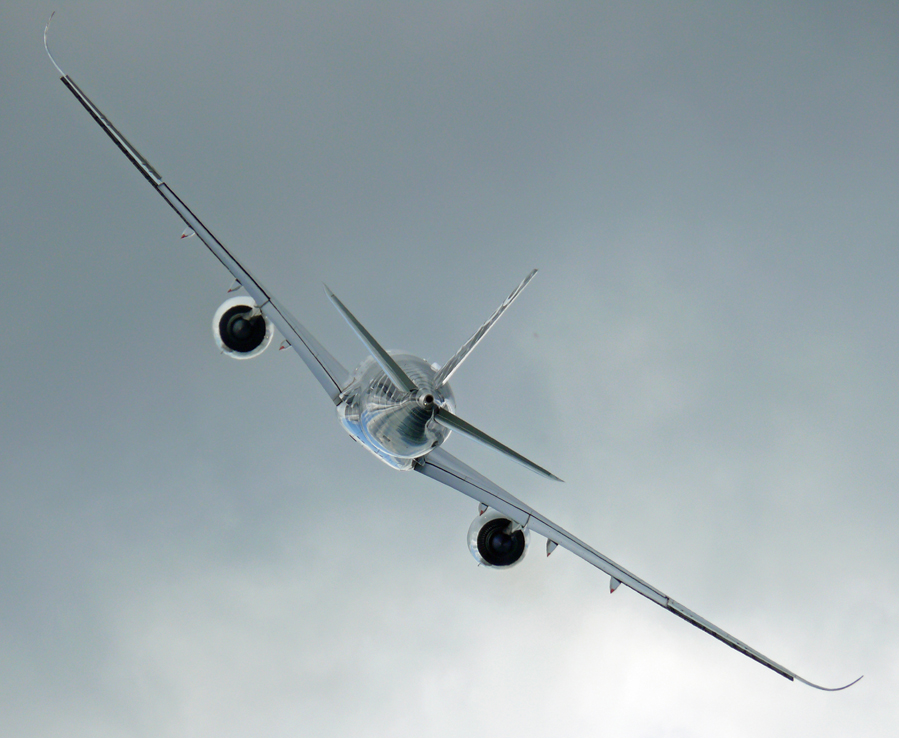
(240, 330)
(497, 542)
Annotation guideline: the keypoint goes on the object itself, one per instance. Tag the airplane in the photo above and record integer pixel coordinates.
(400, 407)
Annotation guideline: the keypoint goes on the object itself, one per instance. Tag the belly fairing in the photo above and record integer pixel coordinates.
(387, 420)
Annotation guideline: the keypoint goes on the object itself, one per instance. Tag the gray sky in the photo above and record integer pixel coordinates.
(191, 546)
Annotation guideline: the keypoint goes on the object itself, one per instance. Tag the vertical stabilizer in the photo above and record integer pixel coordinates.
(447, 369)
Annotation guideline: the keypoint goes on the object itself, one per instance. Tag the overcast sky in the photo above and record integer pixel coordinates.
(191, 546)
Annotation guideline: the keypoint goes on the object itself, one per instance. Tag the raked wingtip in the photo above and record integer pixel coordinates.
(828, 689)
(47, 45)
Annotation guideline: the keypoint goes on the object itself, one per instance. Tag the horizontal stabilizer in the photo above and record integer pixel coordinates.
(324, 367)
(385, 360)
(454, 422)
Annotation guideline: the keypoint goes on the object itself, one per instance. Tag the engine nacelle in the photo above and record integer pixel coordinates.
(497, 542)
(236, 333)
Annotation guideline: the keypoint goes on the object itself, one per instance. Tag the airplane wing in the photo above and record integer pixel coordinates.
(326, 369)
(446, 468)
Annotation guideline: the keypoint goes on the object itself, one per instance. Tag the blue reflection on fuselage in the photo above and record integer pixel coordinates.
(389, 422)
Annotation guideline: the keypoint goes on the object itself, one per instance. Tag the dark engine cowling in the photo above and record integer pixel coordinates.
(497, 542)
(238, 332)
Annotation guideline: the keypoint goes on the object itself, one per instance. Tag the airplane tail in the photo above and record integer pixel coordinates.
(446, 371)
(426, 398)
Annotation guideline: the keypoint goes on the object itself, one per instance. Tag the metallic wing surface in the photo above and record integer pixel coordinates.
(412, 399)
(446, 468)
(324, 367)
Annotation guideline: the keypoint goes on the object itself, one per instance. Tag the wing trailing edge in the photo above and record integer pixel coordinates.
(447, 469)
(325, 368)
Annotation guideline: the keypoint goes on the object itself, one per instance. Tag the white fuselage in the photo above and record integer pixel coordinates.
(394, 425)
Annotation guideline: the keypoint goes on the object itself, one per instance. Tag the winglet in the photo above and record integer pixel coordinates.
(47, 46)
(828, 689)
(716, 632)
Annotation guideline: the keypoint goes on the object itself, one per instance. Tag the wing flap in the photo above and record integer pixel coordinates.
(331, 375)
(324, 367)
(445, 468)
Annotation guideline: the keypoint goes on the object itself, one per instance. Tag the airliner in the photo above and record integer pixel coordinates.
(400, 407)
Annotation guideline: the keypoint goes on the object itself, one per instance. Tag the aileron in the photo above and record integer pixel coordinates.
(398, 406)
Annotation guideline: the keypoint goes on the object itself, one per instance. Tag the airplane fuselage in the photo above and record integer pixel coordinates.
(396, 426)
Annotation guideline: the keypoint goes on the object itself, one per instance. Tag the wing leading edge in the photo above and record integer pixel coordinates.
(446, 468)
(325, 368)
(438, 464)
